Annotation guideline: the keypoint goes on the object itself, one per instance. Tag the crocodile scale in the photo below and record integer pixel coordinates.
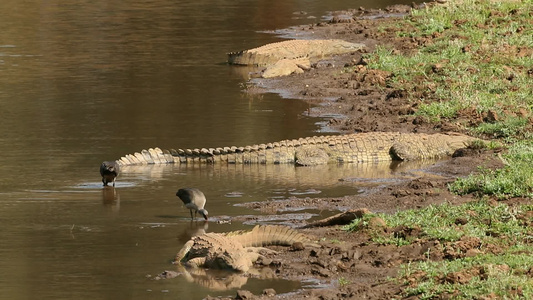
(236, 250)
(351, 148)
(269, 54)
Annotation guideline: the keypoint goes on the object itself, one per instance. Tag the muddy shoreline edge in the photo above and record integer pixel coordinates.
(349, 263)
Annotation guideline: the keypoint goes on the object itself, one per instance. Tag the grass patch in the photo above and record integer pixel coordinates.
(515, 179)
(498, 276)
(473, 59)
(449, 223)
(502, 264)
(343, 281)
(510, 127)
(473, 56)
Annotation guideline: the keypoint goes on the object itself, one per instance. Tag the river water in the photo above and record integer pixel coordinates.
(86, 81)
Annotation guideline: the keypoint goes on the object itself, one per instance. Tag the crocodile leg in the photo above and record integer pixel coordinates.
(260, 249)
(196, 262)
(184, 251)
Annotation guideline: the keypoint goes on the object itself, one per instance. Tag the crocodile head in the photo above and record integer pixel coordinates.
(234, 260)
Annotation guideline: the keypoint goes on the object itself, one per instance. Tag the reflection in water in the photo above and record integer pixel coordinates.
(285, 174)
(111, 198)
(193, 229)
(220, 280)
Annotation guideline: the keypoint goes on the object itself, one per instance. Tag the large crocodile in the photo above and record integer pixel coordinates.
(351, 148)
(237, 250)
(293, 56)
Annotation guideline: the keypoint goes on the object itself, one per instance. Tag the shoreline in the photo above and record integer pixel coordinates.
(363, 99)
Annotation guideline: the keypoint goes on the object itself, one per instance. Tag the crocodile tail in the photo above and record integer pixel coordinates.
(265, 235)
(150, 156)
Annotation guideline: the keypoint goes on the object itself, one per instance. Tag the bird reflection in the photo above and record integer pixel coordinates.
(111, 198)
(193, 229)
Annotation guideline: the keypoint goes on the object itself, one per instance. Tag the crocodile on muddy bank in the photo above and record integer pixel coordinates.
(293, 56)
(238, 250)
(351, 148)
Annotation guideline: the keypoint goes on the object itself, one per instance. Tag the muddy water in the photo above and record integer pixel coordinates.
(87, 81)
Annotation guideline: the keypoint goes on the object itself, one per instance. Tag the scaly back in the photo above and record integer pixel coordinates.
(264, 235)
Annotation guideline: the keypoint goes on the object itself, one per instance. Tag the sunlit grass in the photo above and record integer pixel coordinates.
(474, 57)
(439, 222)
(477, 56)
(515, 179)
(496, 226)
(504, 276)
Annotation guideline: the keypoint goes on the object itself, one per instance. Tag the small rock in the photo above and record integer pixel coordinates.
(461, 221)
(166, 275)
(522, 112)
(334, 250)
(243, 294)
(400, 193)
(269, 292)
(491, 117)
(337, 19)
(314, 253)
(419, 120)
(472, 252)
(436, 68)
(322, 262)
(297, 246)
(320, 271)
(354, 254)
(342, 265)
(376, 223)
(265, 261)
(361, 62)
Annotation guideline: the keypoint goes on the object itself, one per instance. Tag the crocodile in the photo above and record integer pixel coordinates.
(237, 250)
(372, 147)
(292, 56)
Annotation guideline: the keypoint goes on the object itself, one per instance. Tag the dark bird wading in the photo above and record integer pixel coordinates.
(109, 171)
(193, 199)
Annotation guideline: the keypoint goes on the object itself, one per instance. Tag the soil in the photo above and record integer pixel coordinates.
(349, 263)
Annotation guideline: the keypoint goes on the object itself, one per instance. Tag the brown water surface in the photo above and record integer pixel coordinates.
(86, 81)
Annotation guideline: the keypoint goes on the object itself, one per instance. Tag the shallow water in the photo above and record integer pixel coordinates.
(86, 81)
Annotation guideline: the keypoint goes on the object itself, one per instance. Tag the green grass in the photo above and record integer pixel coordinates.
(343, 281)
(497, 224)
(475, 59)
(515, 179)
(483, 53)
(501, 276)
(510, 127)
(501, 273)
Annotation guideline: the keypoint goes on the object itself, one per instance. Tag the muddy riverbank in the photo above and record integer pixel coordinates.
(350, 265)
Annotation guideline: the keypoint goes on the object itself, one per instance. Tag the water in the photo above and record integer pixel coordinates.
(86, 81)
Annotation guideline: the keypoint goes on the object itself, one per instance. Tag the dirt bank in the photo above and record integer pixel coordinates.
(354, 266)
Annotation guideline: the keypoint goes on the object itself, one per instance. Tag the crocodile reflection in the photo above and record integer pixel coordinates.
(222, 280)
(311, 176)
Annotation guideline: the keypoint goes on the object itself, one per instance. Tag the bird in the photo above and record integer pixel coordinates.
(193, 199)
(109, 171)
